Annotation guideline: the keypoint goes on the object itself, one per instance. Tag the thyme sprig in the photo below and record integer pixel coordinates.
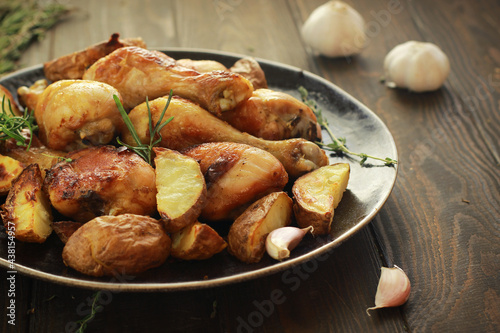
(12, 125)
(21, 23)
(94, 308)
(338, 145)
(142, 149)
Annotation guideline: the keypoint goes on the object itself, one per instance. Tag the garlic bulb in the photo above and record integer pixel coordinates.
(281, 241)
(393, 288)
(417, 66)
(335, 29)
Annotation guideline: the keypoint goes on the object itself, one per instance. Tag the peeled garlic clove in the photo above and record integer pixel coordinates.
(417, 66)
(393, 288)
(335, 29)
(281, 241)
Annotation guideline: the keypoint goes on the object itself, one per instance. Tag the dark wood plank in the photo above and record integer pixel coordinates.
(441, 222)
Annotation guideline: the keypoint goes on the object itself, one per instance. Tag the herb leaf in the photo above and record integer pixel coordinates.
(338, 145)
(144, 150)
(12, 126)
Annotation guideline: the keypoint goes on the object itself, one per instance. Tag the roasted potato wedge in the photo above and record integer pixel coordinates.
(317, 194)
(28, 208)
(181, 189)
(10, 169)
(236, 175)
(247, 235)
(197, 241)
(45, 157)
(6, 98)
(64, 229)
(110, 245)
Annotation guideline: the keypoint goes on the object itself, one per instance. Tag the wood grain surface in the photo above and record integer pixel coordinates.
(441, 223)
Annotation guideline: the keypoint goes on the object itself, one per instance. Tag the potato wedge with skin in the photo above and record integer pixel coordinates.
(317, 194)
(247, 235)
(10, 169)
(181, 189)
(6, 97)
(197, 241)
(45, 157)
(28, 208)
(123, 244)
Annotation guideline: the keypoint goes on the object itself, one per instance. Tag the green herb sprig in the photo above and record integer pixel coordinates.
(94, 308)
(12, 126)
(21, 23)
(144, 150)
(338, 145)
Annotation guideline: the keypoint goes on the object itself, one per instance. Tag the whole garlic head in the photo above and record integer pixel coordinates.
(417, 66)
(335, 29)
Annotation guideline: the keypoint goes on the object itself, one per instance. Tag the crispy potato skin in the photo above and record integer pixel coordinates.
(181, 189)
(247, 235)
(317, 194)
(124, 244)
(236, 175)
(99, 181)
(197, 241)
(72, 66)
(10, 169)
(28, 208)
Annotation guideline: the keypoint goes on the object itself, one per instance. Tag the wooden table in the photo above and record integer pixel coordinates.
(441, 223)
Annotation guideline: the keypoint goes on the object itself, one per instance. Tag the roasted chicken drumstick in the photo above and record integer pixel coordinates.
(73, 114)
(139, 73)
(193, 125)
(274, 115)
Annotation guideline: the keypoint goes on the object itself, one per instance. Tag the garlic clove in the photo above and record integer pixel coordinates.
(335, 29)
(281, 241)
(393, 288)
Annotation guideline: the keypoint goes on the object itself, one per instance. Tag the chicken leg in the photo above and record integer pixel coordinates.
(274, 115)
(193, 125)
(139, 73)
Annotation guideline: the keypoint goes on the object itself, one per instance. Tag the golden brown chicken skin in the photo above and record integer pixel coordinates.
(139, 73)
(236, 175)
(73, 114)
(193, 125)
(274, 115)
(72, 66)
(100, 181)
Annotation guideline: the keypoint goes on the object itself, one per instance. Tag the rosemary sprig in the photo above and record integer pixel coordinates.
(93, 310)
(12, 126)
(22, 22)
(338, 145)
(144, 150)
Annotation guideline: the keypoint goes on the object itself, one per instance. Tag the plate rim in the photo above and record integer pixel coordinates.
(239, 277)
